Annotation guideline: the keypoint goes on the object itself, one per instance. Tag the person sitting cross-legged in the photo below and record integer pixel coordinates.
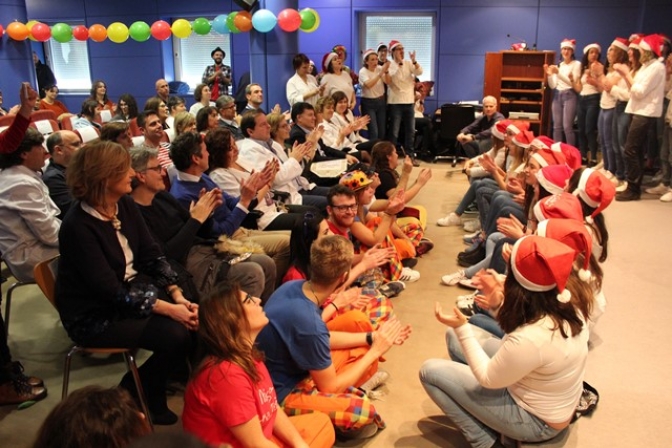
(314, 368)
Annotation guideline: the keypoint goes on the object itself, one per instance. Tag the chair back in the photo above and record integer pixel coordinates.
(46, 127)
(105, 116)
(43, 114)
(454, 118)
(135, 129)
(45, 276)
(87, 133)
(66, 122)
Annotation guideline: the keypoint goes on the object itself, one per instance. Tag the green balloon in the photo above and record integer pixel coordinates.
(307, 19)
(201, 26)
(139, 31)
(61, 32)
(229, 22)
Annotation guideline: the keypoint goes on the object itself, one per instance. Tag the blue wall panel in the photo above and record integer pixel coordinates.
(15, 57)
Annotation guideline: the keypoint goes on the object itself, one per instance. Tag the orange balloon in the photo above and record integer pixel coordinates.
(18, 31)
(243, 21)
(97, 32)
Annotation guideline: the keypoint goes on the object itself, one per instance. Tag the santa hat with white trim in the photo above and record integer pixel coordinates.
(564, 205)
(499, 129)
(587, 48)
(568, 43)
(546, 157)
(596, 190)
(542, 264)
(554, 178)
(523, 139)
(571, 153)
(572, 233)
(367, 53)
(620, 42)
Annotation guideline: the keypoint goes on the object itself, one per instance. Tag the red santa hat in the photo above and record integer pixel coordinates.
(620, 42)
(393, 44)
(542, 264)
(546, 157)
(568, 43)
(596, 190)
(634, 43)
(367, 53)
(518, 126)
(652, 43)
(523, 139)
(587, 48)
(381, 46)
(575, 235)
(326, 60)
(499, 129)
(542, 142)
(563, 205)
(635, 37)
(571, 153)
(554, 178)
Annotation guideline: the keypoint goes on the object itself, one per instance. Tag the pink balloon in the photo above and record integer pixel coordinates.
(289, 20)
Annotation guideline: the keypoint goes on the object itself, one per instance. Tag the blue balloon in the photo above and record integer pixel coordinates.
(264, 20)
(219, 24)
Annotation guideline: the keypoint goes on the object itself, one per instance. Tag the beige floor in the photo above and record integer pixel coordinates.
(629, 368)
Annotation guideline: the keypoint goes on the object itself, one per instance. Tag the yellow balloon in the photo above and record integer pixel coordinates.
(117, 32)
(181, 28)
(29, 25)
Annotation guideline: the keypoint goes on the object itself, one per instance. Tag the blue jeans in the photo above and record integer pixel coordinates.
(402, 113)
(619, 131)
(484, 194)
(480, 413)
(488, 340)
(588, 112)
(375, 108)
(604, 125)
(469, 196)
(564, 112)
(490, 244)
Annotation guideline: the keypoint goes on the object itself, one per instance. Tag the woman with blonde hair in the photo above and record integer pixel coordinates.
(184, 122)
(231, 398)
(114, 286)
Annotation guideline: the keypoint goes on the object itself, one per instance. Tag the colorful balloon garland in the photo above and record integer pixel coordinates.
(262, 21)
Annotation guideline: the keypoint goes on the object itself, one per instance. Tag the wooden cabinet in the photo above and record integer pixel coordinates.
(518, 81)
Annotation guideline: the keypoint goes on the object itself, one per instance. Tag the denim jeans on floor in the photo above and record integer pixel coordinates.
(564, 113)
(586, 117)
(482, 335)
(604, 125)
(480, 413)
(402, 115)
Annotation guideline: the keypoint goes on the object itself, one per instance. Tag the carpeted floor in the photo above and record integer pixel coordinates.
(628, 367)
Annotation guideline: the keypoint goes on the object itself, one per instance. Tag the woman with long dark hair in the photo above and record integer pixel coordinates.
(98, 94)
(561, 78)
(231, 398)
(589, 90)
(530, 388)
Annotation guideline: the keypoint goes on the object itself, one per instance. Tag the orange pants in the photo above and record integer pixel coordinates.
(315, 429)
(342, 359)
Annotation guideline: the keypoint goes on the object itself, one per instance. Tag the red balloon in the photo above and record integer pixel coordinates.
(289, 20)
(2, 31)
(80, 32)
(41, 32)
(161, 30)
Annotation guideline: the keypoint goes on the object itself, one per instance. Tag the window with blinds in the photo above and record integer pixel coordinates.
(70, 63)
(404, 27)
(192, 55)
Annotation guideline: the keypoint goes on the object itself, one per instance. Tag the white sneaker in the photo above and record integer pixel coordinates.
(472, 226)
(450, 220)
(466, 304)
(622, 186)
(659, 189)
(408, 275)
(667, 197)
(453, 279)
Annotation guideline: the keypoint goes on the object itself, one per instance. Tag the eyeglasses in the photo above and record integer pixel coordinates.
(248, 299)
(157, 168)
(345, 208)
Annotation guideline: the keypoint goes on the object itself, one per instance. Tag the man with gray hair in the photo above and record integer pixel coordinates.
(184, 234)
(475, 138)
(226, 107)
(61, 145)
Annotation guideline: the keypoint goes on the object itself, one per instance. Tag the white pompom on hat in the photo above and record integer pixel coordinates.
(575, 235)
(541, 264)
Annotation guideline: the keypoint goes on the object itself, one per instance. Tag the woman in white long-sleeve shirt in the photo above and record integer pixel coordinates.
(647, 93)
(302, 87)
(529, 389)
(561, 78)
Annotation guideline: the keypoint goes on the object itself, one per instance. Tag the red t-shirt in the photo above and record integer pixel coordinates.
(336, 231)
(222, 396)
(293, 274)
